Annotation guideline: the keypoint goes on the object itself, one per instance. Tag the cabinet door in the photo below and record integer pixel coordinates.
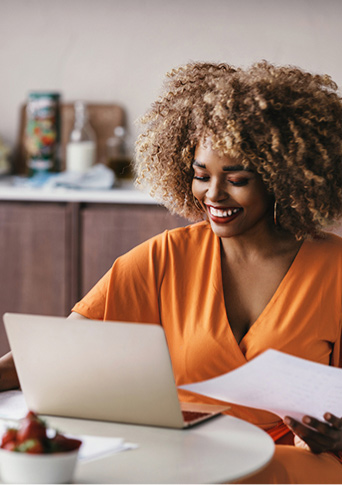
(35, 260)
(110, 231)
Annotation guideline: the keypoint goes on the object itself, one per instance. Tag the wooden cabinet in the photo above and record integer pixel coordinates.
(110, 231)
(35, 260)
(53, 253)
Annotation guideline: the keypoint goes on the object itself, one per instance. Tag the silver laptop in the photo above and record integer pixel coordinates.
(111, 371)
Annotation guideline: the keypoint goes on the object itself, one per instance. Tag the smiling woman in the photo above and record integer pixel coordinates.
(282, 122)
(257, 154)
(233, 196)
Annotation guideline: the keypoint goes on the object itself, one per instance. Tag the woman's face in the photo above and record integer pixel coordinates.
(234, 198)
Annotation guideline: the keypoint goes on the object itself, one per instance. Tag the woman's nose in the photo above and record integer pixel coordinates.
(216, 190)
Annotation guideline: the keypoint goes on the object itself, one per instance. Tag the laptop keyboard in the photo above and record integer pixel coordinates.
(189, 416)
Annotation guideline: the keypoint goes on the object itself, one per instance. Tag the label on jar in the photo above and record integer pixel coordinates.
(43, 132)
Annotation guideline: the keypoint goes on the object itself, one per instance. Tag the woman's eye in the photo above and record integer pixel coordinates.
(236, 182)
(203, 178)
(239, 182)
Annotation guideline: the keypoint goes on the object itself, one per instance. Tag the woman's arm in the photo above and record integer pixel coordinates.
(8, 374)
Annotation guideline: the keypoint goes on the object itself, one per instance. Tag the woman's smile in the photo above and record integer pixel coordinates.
(233, 196)
(223, 215)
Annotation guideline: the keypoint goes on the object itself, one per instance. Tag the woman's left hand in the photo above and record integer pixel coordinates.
(320, 436)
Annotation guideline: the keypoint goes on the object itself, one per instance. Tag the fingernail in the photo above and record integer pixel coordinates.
(287, 420)
(306, 420)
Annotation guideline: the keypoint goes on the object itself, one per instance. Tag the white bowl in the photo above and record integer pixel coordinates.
(16, 467)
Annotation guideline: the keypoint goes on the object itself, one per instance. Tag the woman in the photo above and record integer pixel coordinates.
(257, 154)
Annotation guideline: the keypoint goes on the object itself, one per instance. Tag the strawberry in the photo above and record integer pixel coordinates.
(60, 443)
(10, 446)
(32, 446)
(31, 428)
(31, 437)
(9, 436)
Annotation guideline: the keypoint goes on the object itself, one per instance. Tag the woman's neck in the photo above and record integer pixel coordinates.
(259, 243)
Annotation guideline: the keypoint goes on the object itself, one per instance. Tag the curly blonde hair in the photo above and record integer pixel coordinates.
(284, 122)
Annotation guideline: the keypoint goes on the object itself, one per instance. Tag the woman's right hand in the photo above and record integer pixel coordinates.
(8, 374)
(319, 436)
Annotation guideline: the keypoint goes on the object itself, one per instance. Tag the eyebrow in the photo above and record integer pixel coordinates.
(227, 168)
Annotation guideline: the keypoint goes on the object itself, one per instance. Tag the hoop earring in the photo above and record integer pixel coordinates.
(197, 204)
(275, 213)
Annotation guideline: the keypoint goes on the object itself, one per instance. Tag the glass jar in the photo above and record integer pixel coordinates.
(81, 148)
(119, 157)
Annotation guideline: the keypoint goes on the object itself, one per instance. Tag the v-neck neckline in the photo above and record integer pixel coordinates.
(269, 304)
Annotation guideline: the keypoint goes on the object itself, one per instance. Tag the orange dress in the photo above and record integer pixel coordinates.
(175, 280)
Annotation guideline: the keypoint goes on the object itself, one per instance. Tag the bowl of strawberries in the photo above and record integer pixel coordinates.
(32, 453)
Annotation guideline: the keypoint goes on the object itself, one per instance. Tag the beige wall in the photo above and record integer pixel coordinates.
(119, 50)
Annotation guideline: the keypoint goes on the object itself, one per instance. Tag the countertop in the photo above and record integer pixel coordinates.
(10, 189)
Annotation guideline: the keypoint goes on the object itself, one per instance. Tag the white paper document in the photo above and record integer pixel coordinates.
(95, 447)
(279, 383)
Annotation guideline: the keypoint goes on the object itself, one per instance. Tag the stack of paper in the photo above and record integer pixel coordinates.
(279, 383)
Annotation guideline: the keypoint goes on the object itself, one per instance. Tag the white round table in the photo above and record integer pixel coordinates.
(223, 449)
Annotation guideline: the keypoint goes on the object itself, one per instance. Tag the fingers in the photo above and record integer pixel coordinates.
(333, 420)
(322, 427)
(316, 440)
(319, 435)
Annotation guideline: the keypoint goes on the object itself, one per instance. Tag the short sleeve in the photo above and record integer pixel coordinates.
(130, 290)
(93, 304)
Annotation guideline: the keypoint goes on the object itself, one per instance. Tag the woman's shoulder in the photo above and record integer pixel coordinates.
(330, 244)
(331, 239)
(180, 239)
(190, 232)
(190, 238)
(183, 234)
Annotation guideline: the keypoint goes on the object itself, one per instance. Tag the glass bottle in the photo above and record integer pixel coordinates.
(81, 148)
(119, 157)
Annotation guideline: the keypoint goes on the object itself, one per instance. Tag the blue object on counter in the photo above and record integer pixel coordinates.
(98, 177)
(37, 180)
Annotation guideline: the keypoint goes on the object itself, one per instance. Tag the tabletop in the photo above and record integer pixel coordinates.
(222, 449)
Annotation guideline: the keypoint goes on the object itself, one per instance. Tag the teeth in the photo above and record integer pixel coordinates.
(223, 213)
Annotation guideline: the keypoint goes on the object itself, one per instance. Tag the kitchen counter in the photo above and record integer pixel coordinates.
(57, 243)
(11, 190)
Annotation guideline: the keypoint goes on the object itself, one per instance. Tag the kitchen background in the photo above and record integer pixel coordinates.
(55, 245)
(118, 51)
